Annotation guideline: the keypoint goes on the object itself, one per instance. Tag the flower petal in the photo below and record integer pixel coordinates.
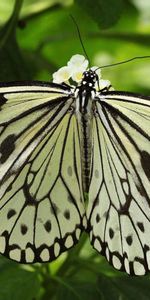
(78, 61)
(77, 76)
(62, 75)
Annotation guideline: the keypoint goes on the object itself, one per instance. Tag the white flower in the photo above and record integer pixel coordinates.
(74, 69)
(78, 62)
(62, 75)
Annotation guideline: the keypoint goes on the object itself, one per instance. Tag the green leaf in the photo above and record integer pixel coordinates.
(12, 64)
(133, 288)
(77, 290)
(111, 292)
(125, 288)
(104, 12)
(16, 284)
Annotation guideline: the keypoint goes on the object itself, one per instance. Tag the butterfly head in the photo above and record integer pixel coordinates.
(89, 78)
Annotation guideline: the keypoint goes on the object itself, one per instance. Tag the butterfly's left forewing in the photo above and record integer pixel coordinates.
(41, 207)
(119, 203)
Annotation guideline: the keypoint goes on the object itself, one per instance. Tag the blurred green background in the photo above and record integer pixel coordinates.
(36, 38)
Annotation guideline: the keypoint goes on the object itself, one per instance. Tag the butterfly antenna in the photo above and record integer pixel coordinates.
(123, 62)
(80, 38)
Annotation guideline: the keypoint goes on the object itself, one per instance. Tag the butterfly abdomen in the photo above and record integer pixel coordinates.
(85, 115)
(86, 151)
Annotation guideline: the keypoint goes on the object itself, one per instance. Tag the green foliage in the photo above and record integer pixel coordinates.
(105, 13)
(17, 283)
(10, 54)
(34, 42)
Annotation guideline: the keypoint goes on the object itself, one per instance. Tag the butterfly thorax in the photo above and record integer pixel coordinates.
(84, 110)
(86, 92)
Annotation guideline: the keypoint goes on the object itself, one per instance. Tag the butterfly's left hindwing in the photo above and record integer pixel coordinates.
(119, 203)
(41, 206)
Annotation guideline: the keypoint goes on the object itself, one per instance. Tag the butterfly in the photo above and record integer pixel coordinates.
(61, 143)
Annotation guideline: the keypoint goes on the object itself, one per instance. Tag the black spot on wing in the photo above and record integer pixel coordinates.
(141, 226)
(48, 226)
(11, 213)
(129, 240)
(24, 229)
(111, 233)
(7, 147)
(97, 218)
(145, 161)
(3, 100)
(67, 214)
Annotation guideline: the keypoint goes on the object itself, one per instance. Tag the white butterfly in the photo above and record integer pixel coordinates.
(59, 142)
